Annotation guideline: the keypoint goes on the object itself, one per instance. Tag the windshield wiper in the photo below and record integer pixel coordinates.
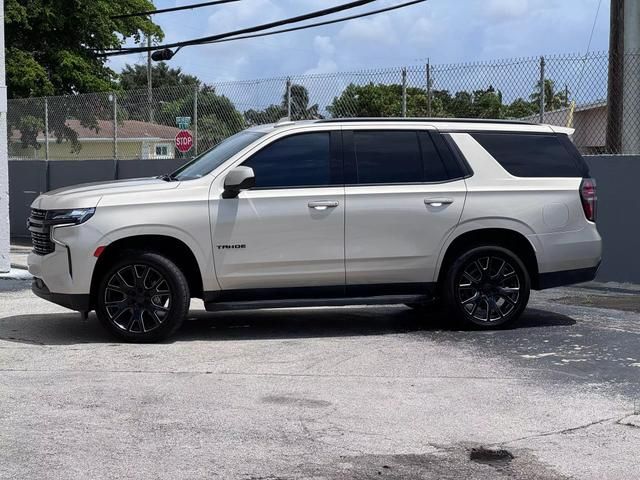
(167, 177)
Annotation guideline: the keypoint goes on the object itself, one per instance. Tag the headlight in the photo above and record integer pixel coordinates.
(75, 216)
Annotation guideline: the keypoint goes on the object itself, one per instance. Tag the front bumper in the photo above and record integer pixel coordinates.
(79, 302)
(69, 268)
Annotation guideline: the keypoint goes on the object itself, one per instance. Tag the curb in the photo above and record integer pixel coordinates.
(16, 274)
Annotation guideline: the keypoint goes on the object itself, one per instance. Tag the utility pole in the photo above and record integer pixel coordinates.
(149, 80)
(5, 259)
(429, 88)
(404, 92)
(542, 90)
(196, 89)
(615, 85)
(631, 78)
(288, 98)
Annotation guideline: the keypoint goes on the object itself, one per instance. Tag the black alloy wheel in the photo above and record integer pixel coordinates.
(143, 297)
(487, 287)
(137, 298)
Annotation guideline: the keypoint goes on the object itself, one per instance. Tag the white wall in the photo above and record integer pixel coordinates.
(5, 261)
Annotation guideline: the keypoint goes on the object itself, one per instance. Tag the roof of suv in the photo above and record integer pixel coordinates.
(446, 124)
(422, 120)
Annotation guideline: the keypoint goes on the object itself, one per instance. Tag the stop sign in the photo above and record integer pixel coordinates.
(184, 141)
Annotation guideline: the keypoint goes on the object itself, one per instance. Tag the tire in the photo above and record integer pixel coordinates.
(487, 287)
(143, 297)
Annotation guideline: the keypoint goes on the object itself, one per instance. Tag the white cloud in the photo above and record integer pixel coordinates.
(507, 9)
(324, 65)
(325, 50)
(423, 32)
(369, 32)
(446, 31)
(324, 46)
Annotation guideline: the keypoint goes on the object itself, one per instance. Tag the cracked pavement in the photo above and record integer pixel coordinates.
(326, 393)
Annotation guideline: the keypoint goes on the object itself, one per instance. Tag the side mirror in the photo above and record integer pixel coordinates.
(238, 179)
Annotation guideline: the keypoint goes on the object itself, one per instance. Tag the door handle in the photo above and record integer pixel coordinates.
(438, 202)
(323, 205)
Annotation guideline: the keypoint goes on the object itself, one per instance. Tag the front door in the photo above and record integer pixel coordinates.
(285, 236)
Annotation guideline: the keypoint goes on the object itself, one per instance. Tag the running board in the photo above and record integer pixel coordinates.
(317, 302)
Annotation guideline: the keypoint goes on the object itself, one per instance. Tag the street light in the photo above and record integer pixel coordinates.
(162, 55)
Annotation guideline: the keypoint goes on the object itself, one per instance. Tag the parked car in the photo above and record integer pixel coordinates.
(470, 213)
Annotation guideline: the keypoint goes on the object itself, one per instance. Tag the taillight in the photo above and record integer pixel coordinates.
(589, 198)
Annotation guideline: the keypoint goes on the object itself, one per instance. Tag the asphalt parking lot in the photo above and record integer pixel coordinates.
(328, 393)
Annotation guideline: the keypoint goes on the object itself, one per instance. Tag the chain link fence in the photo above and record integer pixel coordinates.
(565, 90)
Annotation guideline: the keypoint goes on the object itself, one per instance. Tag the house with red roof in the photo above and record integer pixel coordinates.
(135, 140)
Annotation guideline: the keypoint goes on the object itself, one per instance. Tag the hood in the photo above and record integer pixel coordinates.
(88, 195)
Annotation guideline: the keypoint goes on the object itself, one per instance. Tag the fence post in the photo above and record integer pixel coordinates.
(289, 98)
(149, 80)
(404, 92)
(195, 118)
(541, 90)
(46, 128)
(428, 88)
(115, 125)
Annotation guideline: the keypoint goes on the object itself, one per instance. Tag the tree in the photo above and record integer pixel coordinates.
(520, 108)
(135, 76)
(217, 116)
(52, 49)
(300, 108)
(53, 45)
(379, 100)
(169, 85)
(271, 114)
(552, 100)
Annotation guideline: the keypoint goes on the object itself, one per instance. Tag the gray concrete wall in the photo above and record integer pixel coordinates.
(29, 178)
(617, 177)
(618, 215)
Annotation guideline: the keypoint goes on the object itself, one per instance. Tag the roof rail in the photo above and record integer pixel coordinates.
(424, 119)
(283, 121)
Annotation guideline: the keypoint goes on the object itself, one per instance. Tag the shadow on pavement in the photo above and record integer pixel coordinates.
(69, 329)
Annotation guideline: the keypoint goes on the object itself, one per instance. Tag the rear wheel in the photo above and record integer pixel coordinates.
(143, 297)
(487, 287)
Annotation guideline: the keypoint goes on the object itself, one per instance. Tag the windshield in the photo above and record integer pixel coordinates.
(211, 159)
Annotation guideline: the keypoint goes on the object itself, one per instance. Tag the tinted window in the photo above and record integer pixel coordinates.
(295, 161)
(434, 169)
(387, 157)
(526, 155)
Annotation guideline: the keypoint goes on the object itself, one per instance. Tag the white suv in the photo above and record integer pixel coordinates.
(327, 212)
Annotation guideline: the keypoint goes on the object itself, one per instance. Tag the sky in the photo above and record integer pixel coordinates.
(445, 31)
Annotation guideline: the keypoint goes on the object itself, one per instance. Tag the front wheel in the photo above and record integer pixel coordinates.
(487, 287)
(143, 297)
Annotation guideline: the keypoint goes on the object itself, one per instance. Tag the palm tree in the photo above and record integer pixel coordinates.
(552, 100)
(300, 108)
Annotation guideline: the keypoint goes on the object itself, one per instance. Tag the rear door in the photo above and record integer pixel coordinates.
(404, 195)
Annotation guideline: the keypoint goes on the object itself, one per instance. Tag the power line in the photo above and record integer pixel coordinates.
(172, 9)
(265, 26)
(593, 27)
(319, 24)
(584, 64)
